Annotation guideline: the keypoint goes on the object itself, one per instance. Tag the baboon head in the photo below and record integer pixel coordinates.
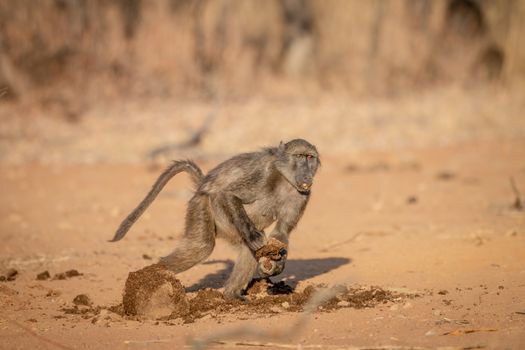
(298, 161)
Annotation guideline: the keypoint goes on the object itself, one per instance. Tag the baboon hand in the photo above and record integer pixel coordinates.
(256, 240)
(272, 267)
(279, 267)
(279, 264)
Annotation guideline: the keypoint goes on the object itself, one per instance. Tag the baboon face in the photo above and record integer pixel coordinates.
(298, 162)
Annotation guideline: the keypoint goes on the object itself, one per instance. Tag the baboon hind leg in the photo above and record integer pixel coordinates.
(198, 240)
(243, 271)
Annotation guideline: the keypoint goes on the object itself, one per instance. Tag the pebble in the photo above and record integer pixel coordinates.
(43, 276)
(8, 275)
(430, 332)
(275, 309)
(82, 299)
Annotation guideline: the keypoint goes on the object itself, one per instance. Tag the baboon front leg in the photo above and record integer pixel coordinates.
(230, 210)
(242, 274)
(198, 240)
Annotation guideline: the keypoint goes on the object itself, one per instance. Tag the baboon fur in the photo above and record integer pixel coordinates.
(236, 201)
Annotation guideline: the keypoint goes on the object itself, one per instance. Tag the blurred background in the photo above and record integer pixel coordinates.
(130, 80)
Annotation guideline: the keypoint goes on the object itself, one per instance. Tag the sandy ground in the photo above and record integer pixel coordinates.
(437, 222)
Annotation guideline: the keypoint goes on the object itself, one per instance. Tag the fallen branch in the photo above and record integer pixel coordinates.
(150, 341)
(458, 332)
(337, 347)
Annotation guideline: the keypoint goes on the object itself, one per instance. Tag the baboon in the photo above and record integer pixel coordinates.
(237, 200)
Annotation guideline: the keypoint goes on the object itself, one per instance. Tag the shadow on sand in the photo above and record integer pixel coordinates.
(296, 270)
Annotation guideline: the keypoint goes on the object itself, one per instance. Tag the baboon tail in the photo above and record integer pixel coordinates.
(175, 168)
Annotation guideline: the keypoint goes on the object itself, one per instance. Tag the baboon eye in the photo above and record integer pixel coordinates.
(309, 156)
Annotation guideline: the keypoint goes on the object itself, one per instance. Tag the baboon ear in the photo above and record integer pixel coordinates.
(281, 146)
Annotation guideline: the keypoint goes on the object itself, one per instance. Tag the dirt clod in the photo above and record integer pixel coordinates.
(258, 286)
(272, 250)
(82, 299)
(445, 175)
(411, 200)
(42, 276)
(264, 286)
(67, 274)
(153, 292)
(8, 275)
(147, 296)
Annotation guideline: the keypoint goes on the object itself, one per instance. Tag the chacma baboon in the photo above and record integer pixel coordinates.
(237, 200)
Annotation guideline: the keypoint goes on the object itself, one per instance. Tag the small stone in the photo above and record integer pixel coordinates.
(286, 305)
(154, 292)
(146, 257)
(437, 312)
(445, 175)
(443, 292)
(66, 275)
(72, 273)
(82, 299)
(411, 200)
(42, 276)
(275, 309)
(8, 275)
(343, 303)
(430, 333)
(53, 293)
(59, 276)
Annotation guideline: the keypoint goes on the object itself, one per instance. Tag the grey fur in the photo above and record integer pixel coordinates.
(236, 201)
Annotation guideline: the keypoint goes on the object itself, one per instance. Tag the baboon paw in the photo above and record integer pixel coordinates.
(279, 267)
(232, 296)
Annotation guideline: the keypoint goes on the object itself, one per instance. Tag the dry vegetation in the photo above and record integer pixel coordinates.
(348, 75)
(205, 48)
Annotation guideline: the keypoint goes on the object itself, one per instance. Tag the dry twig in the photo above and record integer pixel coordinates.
(338, 347)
